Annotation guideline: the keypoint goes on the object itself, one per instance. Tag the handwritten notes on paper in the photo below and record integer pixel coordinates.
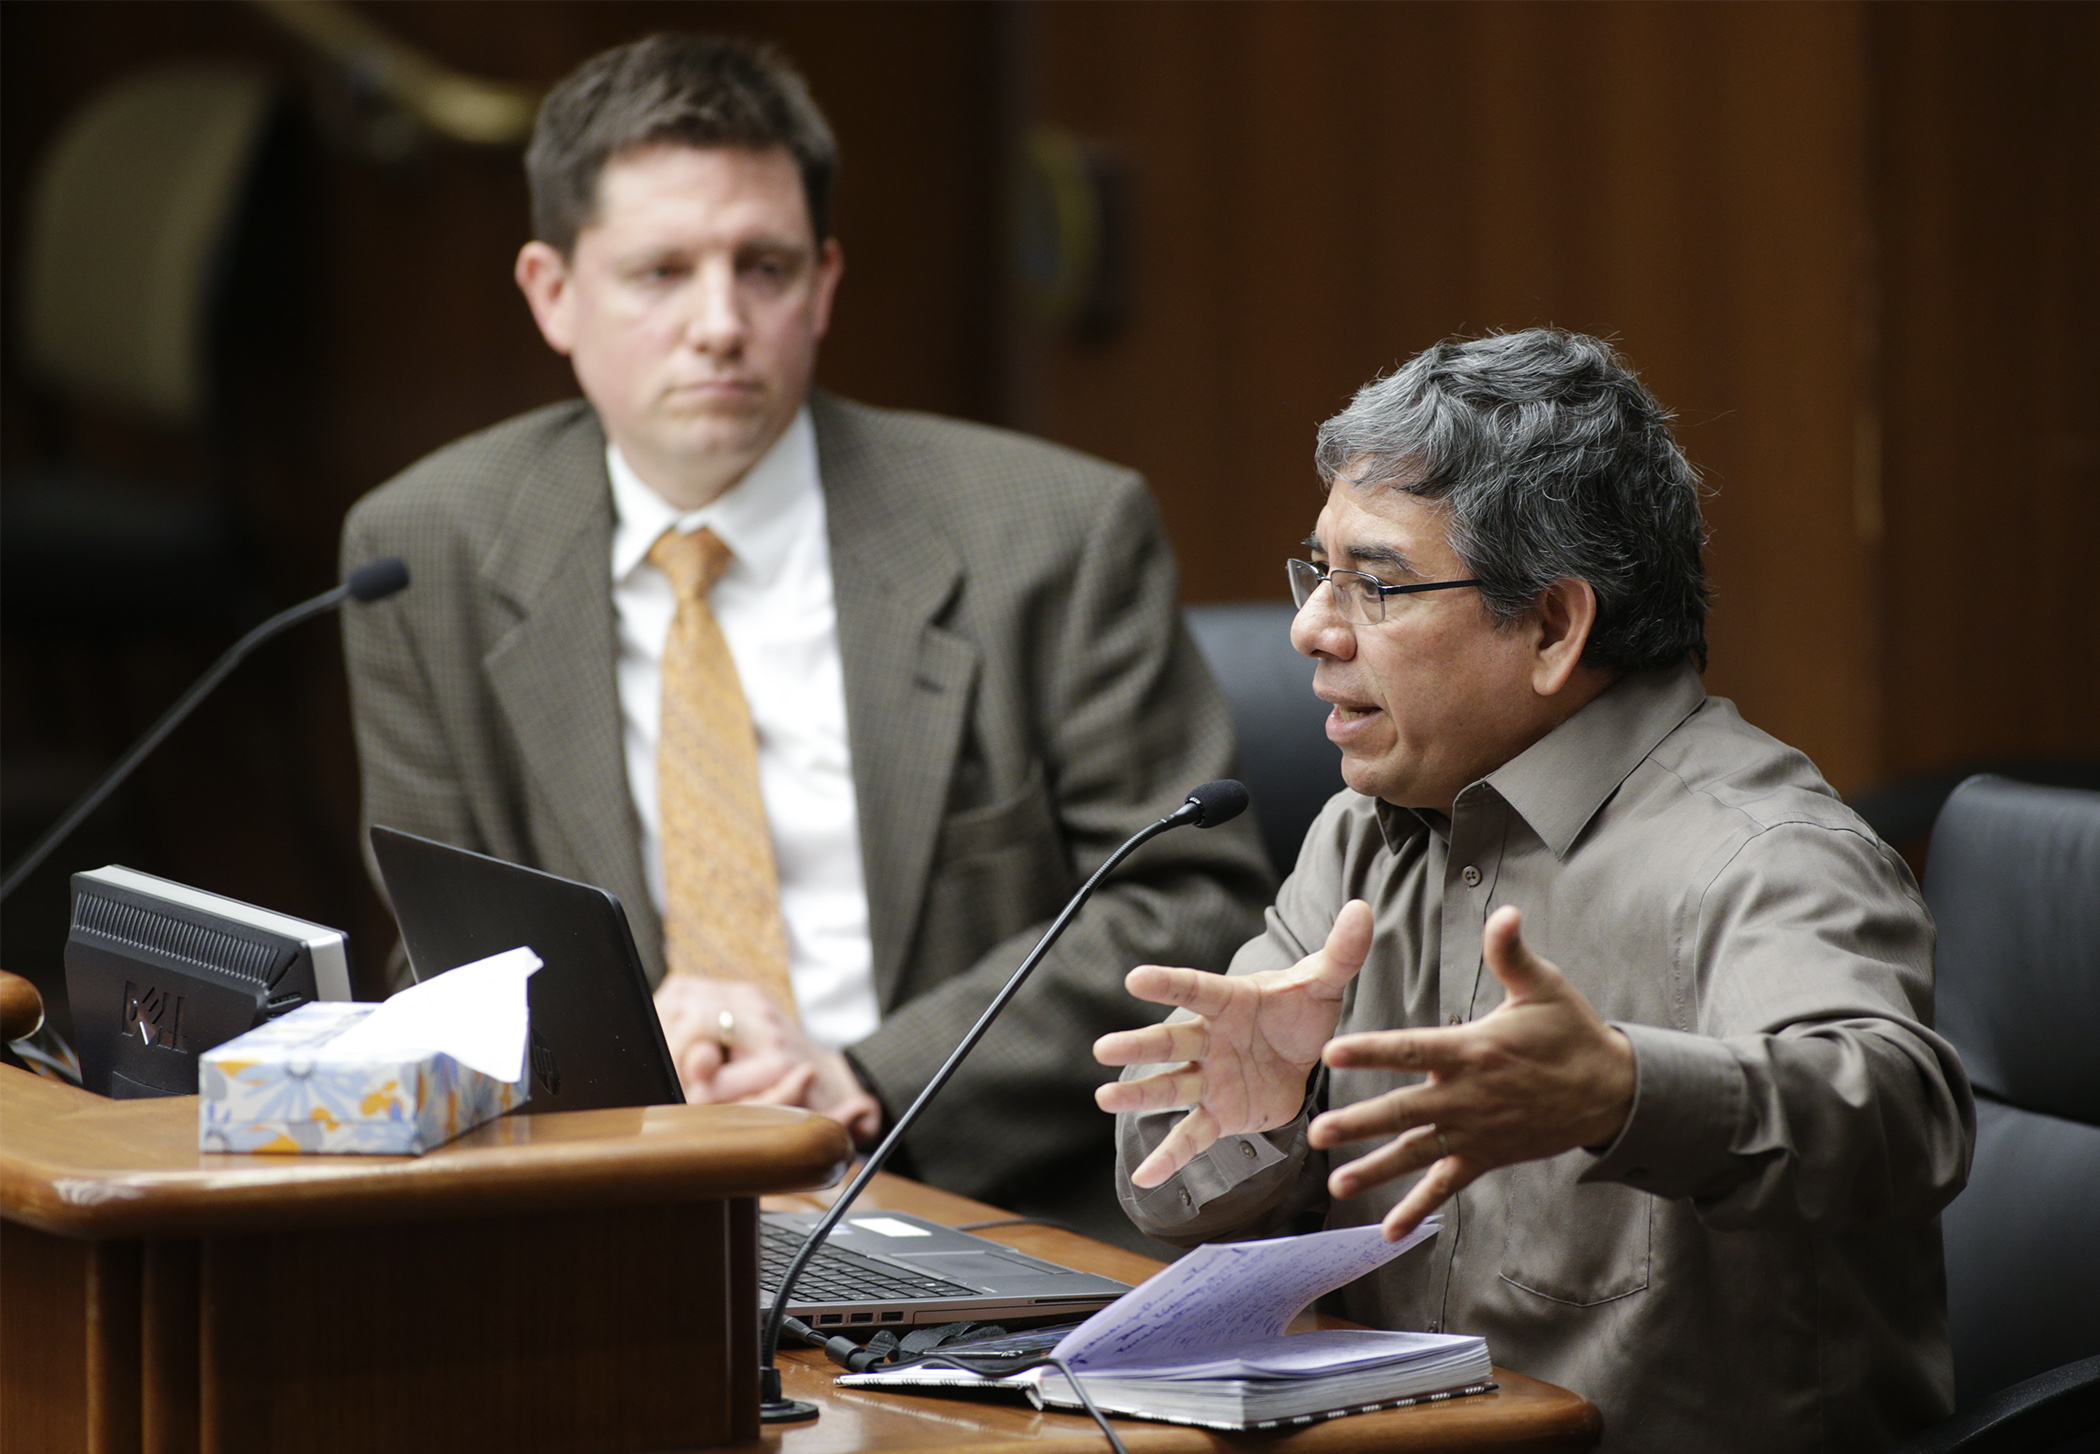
(1226, 1294)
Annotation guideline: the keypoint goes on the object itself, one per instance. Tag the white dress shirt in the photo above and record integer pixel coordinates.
(775, 607)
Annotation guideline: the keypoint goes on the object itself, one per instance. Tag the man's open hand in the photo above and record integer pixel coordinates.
(1241, 1064)
(1538, 1075)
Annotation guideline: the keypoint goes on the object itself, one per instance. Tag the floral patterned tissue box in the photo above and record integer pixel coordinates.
(279, 1089)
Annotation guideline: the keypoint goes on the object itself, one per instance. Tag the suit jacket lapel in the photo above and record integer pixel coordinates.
(908, 679)
(553, 672)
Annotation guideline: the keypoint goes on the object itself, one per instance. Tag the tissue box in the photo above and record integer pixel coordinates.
(279, 1088)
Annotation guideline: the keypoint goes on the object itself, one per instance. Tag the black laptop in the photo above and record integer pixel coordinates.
(596, 1042)
(595, 1037)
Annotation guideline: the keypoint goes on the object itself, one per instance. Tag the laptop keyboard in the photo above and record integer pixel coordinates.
(836, 1275)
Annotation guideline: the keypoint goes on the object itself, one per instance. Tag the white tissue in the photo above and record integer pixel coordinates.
(476, 1014)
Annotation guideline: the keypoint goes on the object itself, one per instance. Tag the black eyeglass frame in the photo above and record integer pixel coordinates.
(1324, 575)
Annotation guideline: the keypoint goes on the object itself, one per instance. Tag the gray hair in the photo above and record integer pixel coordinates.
(690, 90)
(1550, 460)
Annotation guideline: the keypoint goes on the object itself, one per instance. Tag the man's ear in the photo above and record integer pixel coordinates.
(831, 266)
(1566, 613)
(543, 277)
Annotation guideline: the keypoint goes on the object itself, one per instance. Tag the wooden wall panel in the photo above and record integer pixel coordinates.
(1854, 246)
(1324, 190)
(412, 334)
(1989, 160)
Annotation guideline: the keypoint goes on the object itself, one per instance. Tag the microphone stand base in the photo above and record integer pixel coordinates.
(774, 1407)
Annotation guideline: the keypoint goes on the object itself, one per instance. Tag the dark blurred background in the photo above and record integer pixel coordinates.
(1853, 245)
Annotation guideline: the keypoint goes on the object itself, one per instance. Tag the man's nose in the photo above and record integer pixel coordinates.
(1319, 630)
(715, 322)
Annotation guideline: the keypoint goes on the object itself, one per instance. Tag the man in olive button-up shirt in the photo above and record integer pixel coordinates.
(1584, 958)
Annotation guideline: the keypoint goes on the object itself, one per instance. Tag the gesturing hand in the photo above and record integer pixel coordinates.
(1538, 1075)
(1244, 1059)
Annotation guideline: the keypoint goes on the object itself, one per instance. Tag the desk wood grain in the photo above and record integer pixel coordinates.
(1523, 1414)
(77, 1165)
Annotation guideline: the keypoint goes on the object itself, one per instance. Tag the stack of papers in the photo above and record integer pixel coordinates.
(1203, 1342)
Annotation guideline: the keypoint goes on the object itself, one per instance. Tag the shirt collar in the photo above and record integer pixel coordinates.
(758, 517)
(1559, 782)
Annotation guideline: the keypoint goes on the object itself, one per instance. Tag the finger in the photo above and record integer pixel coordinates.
(761, 1026)
(1192, 1135)
(1187, 989)
(791, 1089)
(1348, 944)
(862, 1119)
(1442, 1182)
(1181, 1085)
(698, 1062)
(1402, 1156)
(1524, 975)
(1155, 1044)
(743, 1078)
(1391, 1114)
(1414, 1051)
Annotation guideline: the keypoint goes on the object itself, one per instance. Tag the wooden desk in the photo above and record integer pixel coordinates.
(516, 1289)
(1522, 1414)
(579, 1280)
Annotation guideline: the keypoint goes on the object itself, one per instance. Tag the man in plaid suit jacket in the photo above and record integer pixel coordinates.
(1019, 692)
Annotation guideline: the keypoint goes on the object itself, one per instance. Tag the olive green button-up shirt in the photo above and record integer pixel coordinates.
(1754, 1263)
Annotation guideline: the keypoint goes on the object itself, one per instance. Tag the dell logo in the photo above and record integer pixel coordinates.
(544, 1068)
(155, 1015)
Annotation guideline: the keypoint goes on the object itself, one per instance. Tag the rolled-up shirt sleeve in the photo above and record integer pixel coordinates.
(1810, 1086)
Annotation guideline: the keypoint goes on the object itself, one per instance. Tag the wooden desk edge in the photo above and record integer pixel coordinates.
(552, 1162)
(1521, 1413)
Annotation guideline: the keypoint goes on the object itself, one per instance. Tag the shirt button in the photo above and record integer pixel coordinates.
(1471, 875)
(1186, 1199)
(1247, 1149)
(1458, 1019)
(1432, 1326)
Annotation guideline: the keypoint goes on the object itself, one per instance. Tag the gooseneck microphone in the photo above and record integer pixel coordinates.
(372, 581)
(1207, 806)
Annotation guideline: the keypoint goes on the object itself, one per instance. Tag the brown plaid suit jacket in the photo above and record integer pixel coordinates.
(1021, 696)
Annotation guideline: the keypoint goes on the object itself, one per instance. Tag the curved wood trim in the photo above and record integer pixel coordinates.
(77, 1165)
(21, 1007)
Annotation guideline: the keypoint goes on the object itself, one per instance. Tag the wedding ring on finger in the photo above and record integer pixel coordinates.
(725, 1029)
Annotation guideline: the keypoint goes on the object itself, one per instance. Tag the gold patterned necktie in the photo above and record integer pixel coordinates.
(721, 889)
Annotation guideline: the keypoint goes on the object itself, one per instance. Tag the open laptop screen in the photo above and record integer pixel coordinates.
(596, 1041)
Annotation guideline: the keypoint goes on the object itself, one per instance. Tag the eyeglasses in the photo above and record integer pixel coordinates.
(1360, 598)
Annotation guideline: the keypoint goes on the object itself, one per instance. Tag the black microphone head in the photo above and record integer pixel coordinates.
(375, 580)
(1218, 802)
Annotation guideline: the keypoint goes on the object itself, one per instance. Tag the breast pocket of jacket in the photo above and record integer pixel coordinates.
(1575, 1242)
(997, 869)
(1020, 819)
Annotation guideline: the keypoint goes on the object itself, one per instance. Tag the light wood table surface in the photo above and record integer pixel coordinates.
(1523, 1414)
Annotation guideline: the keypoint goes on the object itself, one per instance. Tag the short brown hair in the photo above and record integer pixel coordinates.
(690, 90)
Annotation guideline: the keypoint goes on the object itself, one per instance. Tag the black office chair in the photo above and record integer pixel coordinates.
(1286, 761)
(2014, 882)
